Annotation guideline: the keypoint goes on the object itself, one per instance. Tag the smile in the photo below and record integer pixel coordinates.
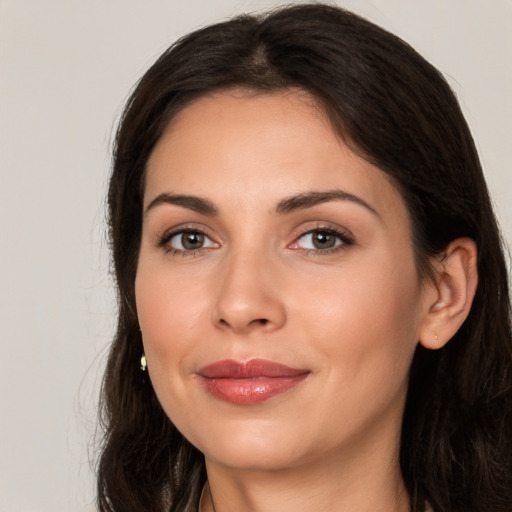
(251, 382)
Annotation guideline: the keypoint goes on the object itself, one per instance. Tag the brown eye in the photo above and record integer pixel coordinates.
(323, 240)
(189, 241)
(192, 240)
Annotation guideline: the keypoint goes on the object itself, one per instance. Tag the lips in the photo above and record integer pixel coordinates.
(250, 382)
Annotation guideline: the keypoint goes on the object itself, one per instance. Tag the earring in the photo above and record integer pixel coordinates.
(143, 364)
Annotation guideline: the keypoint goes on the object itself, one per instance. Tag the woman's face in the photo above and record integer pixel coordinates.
(276, 287)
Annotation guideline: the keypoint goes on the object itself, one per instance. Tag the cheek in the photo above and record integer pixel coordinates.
(364, 340)
(168, 308)
(366, 321)
(166, 299)
(169, 311)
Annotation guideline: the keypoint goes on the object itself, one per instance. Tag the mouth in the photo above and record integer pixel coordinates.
(250, 382)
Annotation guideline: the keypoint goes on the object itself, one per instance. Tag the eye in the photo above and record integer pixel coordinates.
(322, 239)
(188, 240)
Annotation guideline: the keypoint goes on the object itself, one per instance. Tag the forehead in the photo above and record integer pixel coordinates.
(238, 147)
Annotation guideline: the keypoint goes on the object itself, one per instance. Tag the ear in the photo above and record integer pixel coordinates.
(450, 295)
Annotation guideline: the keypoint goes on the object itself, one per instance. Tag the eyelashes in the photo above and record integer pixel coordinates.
(186, 241)
(322, 239)
(318, 240)
(190, 241)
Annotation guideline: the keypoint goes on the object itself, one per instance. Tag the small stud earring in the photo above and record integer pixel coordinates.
(437, 337)
(143, 364)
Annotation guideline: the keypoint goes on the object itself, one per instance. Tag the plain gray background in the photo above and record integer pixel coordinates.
(66, 68)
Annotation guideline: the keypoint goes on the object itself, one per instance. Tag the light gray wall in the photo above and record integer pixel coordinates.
(65, 70)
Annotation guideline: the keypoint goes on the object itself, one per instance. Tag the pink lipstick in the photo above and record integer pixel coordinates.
(250, 382)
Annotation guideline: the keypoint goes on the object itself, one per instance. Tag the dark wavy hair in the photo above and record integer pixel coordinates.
(395, 110)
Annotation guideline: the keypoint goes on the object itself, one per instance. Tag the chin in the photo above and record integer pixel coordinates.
(254, 457)
(250, 445)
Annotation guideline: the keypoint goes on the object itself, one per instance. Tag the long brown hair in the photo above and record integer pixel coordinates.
(395, 110)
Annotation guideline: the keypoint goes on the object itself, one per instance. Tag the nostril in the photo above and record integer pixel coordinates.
(261, 321)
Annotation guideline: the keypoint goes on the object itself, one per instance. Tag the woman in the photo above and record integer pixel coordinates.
(313, 299)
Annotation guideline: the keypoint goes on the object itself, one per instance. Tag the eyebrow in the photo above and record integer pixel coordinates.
(290, 204)
(194, 203)
(310, 199)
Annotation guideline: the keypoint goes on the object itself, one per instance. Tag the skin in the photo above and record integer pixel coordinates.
(258, 287)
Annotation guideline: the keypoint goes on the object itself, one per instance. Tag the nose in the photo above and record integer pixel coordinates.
(248, 296)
